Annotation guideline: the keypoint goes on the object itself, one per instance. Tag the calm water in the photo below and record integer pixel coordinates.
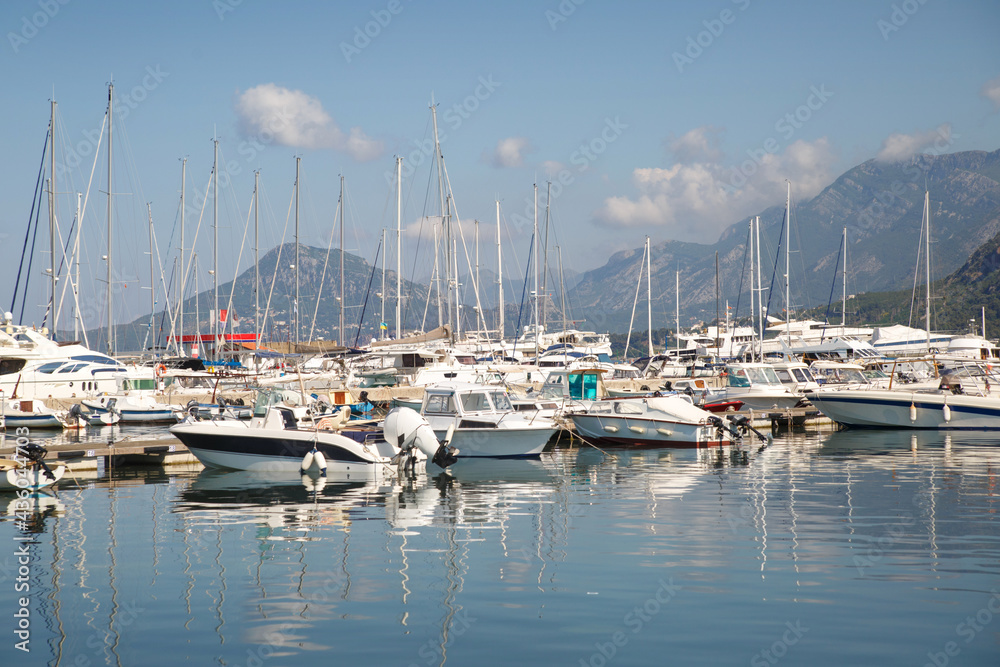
(824, 549)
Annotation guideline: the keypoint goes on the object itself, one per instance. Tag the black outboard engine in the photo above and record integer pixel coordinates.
(34, 454)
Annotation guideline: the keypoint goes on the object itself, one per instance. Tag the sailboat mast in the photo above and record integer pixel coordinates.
(649, 300)
(295, 305)
(677, 309)
(545, 252)
(110, 342)
(76, 283)
(927, 241)
(538, 329)
(399, 248)
(446, 233)
(215, 250)
(152, 269)
(256, 258)
(760, 295)
(180, 273)
(843, 301)
(382, 297)
(500, 323)
(788, 247)
(52, 215)
(342, 304)
(562, 287)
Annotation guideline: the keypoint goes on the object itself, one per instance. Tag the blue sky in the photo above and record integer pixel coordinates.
(668, 119)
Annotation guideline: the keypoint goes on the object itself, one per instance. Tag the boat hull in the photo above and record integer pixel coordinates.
(31, 421)
(891, 409)
(611, 430)
(499, 443)
(29, 478)
(234, 446)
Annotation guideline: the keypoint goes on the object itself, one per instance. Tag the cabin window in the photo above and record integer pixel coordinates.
(623, 408)
(783, 376)
(738, 378)
(50, 367)
(440, 404)
(475, 402)
(501, 401)
(583, 386)
(8, 366)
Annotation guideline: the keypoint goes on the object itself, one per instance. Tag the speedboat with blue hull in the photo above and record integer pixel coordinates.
(905, 409)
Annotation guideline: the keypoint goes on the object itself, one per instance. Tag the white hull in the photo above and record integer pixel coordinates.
(30, 478)
(642, 432)
(892, 409)
(499, 442)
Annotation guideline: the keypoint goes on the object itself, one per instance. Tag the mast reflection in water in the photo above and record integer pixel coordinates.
(830, 548)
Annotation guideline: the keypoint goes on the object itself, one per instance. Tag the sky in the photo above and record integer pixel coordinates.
(667, 119)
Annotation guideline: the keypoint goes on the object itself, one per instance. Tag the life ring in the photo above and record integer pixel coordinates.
(160, 370)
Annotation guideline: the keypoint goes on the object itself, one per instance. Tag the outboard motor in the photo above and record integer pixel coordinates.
(405, 428)
(34, 454)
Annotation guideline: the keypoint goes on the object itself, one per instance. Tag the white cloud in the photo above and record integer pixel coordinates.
(296, 119)
(510, 152)
(698, 145)
(552, 167)
(899, 146)
(991, 91)
(696, 202)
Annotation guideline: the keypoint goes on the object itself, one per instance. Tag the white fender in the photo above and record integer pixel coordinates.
(947, 411)
(913, 411)
(320, 462)
(307, 461)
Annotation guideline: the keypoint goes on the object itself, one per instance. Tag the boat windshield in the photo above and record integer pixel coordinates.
(475, 401)
(501, 401)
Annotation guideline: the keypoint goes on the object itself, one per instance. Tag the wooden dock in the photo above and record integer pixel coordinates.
(93, 456)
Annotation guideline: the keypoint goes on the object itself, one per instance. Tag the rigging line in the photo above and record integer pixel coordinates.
(326, 262)
(27, 231)
(833, 286)
(239, 260)
(364, 306)
(277, 262)
(743, 273)
(31, 255)
(194, 241)
(770, 289)
(480, 319)
(916, 270)
(520, 308)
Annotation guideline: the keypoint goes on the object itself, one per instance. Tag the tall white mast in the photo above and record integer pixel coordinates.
(256, 257)
(382, 295)
(649, 300)
(677, 311)
(399, 247)
(843, 301)
(500, 323)
(180, 276)
(343, 334)
(217, 314)
(760, 294)
(562, 287)
(52, 216)
(927, 307)
(538, 328)
(545, 253)
(296, 304)
(152, 278)
(446, 233)
(76, 283)
(111, 347)
(788, 247)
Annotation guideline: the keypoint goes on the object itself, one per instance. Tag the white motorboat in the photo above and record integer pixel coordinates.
(966, 398)
(284, 436)
(655, 421)
(132, 409)
(30, 413)
(756, 385)
(459, 420)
